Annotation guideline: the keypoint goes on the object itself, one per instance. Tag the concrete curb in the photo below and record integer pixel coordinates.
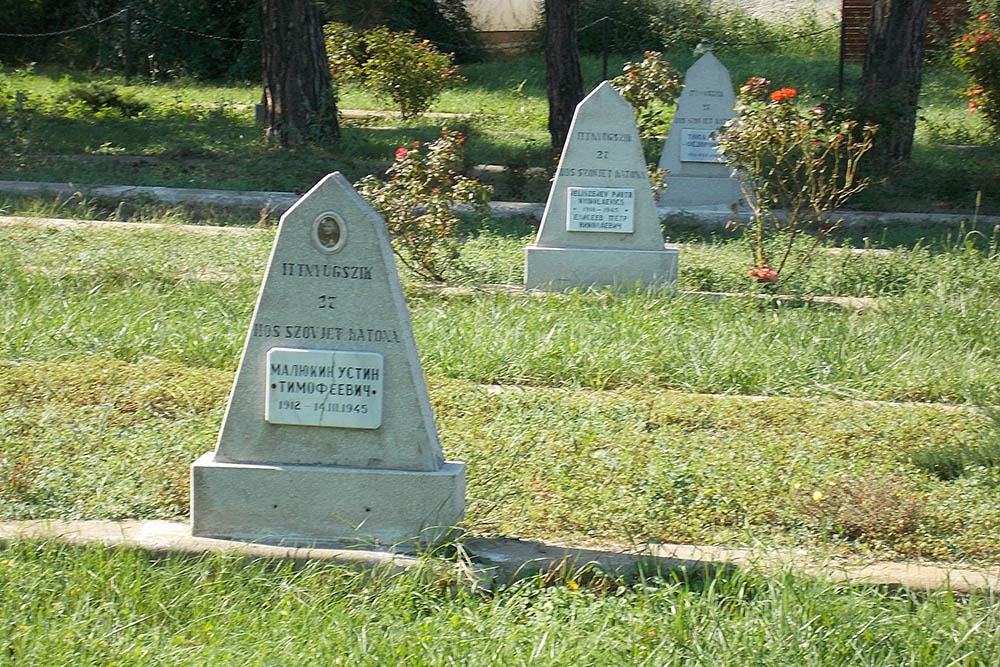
(281, 201)
(493, 561)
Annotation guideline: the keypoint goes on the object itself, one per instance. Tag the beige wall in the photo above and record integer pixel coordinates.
(504, 15)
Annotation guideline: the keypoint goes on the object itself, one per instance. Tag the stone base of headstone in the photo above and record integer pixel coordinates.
(572, 268)
(311, 505)
(683, 191)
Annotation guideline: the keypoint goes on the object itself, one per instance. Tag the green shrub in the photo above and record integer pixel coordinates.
(951, 462)
(343, 51)
(446, 23)
(946, 463)
(100, 95)
(650, 86)
(661, 25)
(418, 203)
(408, 71)
(632, 28)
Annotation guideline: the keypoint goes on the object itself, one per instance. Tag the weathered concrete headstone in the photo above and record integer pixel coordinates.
(328, 435)
(600, 225)
(698, 175)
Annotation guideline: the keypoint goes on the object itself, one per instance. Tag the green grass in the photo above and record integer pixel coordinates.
(99, 438)
(76, 292)
(203, 135)
(62, 605)
(122, 344)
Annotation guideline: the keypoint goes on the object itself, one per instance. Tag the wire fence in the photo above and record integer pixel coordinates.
(67, 31)
(138, 10)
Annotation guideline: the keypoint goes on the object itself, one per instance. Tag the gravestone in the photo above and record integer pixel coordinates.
(698, 175)
(328, 435)
(600, 225)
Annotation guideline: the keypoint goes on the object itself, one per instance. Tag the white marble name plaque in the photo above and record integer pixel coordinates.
(700, 146)
(337, 388)
(598, 209)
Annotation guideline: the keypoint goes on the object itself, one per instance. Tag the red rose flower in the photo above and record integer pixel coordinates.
(764, 273)
(401, 153)
(784, 94)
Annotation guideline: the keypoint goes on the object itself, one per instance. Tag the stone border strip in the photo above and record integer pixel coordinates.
(492, 561)
(65, 223)
(847, 302)
(280, 201)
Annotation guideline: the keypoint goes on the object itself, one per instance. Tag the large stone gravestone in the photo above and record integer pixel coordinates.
(698, 175)
(600, 225)
(328, 435)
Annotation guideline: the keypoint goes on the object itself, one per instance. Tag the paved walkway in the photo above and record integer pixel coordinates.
(492, 561)
(281, 201)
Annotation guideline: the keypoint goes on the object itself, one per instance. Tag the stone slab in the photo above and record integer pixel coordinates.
(600, 225)
(692, 192)
(568, 268)
(328, 434)
(316, 505)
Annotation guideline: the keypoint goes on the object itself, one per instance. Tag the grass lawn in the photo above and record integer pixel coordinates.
(587, 417)
(203, 135)
(60, 605)
(591, 418)
(586, 422)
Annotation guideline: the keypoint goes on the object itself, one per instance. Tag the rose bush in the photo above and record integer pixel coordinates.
(418, 203)
(649, 86)
(802, 161)
(977, 54)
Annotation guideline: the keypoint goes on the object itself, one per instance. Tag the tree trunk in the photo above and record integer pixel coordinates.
(298, 93)
(890, 79)
(563, 81)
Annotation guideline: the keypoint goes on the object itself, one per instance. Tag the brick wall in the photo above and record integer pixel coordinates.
(941, 18)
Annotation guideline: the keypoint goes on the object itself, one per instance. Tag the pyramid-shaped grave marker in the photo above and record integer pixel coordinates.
(328, 434)
(600, 225)
(697, 173)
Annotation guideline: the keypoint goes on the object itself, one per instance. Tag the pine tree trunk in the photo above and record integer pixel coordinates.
(298, 92)
(890, 80)
(563, 81)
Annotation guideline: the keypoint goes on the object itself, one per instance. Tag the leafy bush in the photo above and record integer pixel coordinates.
(649, 86)
(409, 72)
(343, 51)
(802, 161)
(977, 54)
(945, 463)
(167, 37)
(100, 96)
(632, 26)
(418, 203)
(446, 23)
